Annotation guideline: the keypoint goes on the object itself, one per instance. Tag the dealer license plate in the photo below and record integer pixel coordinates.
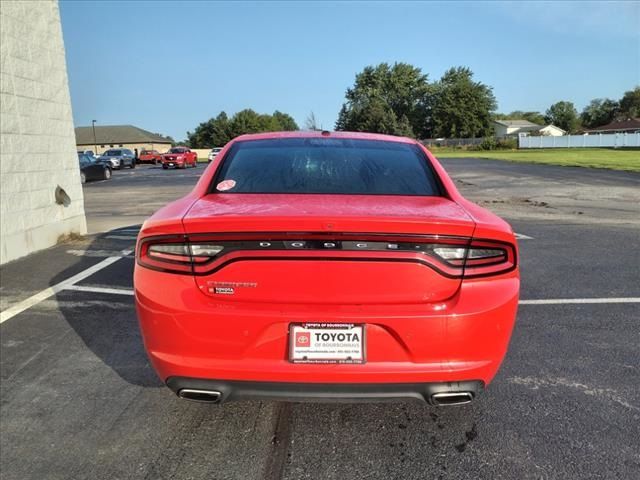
(326, 343)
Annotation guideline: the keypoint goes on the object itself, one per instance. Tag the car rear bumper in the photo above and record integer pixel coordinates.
(220, 391)
(189, 334)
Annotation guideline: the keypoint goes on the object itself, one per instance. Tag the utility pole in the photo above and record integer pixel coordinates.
(95, 144)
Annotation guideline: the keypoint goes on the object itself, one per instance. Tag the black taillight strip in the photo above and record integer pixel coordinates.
(291, 242)
(328, 241)
(328, 245)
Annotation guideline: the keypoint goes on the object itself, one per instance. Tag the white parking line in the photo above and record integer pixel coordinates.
(69, 284)
(560, 301)
(95, 253)
(114, 291)
(522, 236)
(46, 293)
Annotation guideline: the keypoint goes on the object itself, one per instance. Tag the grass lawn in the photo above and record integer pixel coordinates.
(614, 159)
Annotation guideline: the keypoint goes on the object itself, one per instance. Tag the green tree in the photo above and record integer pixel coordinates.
(386, 99)
(630, 103)
(599, 112)
(199, 138)
(563, 115)
(221, 130)
(285, 121)
(460, 107)
(373, 116)
(533, 117)
(216, 132)
(246, 121)
(212, 133)
(168, 137)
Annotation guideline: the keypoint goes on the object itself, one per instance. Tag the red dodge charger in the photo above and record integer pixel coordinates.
(326, 266)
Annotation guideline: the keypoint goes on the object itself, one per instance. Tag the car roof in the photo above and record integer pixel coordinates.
(319, 134)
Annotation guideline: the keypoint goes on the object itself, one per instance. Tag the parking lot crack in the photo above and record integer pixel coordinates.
(280, 442)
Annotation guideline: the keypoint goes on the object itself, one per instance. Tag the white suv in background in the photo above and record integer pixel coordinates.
(214, 152)
(119, 158)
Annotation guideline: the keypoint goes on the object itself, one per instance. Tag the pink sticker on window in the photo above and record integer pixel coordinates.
(225, 185)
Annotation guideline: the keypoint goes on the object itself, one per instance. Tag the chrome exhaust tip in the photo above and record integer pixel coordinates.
(446, 399)
(203, 396)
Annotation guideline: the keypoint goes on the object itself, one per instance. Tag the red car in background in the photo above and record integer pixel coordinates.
(326, 266)
(179, 157)
(150, 156)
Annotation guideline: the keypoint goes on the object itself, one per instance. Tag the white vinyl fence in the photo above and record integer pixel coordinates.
(615, 140)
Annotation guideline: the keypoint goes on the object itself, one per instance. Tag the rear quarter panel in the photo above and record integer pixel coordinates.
(488, 224)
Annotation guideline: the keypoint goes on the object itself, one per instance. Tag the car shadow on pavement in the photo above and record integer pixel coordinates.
(107, 323)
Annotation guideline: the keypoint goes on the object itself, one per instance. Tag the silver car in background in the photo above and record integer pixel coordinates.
(119, 158)
(214, 153)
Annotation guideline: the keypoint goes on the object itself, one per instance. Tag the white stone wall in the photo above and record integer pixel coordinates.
(37, 139)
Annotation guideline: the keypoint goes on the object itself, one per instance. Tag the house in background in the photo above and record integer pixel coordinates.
(119, 136)
(551, 131)
(513, 128)
(629, 125)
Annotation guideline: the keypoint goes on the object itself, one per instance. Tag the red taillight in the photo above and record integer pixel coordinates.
(175, 254)
(453, 257)
(479, 258)
(487, 257)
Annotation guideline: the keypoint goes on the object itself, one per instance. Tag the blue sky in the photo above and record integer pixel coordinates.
(167, 66)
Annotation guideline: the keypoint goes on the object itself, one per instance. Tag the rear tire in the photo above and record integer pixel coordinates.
(107, 173)
(133, 164)
(164, 167)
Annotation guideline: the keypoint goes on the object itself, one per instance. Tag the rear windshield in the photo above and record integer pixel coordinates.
(326, 165)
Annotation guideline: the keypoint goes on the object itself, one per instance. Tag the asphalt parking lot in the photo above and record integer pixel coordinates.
(79, 399)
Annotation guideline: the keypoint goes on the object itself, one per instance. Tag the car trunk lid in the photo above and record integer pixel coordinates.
(319, 213)
(328, 266)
